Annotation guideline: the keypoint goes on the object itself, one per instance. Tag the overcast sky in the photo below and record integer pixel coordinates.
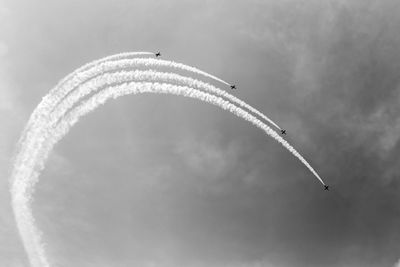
(165, 181)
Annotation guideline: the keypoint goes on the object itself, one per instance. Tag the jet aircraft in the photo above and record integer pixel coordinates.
(158, 54)
(233, 87)
(326, 187)
(283, 131)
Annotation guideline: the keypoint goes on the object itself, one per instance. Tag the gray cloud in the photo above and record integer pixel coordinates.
(160, 180)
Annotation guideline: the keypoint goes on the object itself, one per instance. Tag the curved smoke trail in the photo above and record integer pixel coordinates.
(49, 98)
(97, 67)
(93, 68)
(26, 172)
(110, 66)
(106, 76)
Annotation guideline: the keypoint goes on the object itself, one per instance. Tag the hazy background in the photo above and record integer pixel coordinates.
(165, 181)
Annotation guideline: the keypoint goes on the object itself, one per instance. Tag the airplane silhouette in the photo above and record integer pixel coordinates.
(283, 131)
(158, 54)
(326, 187)
(233, 86)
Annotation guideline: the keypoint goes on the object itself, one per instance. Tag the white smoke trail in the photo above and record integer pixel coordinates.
(108, 65)
(118, 77)
(62, 88)
(116, 91)
(176, 65)
(98, 67)
(26, 176)
(192, 69)
(109, 79)
(91, 64)
(49, 98)
(42, 135)
(78, 76)
(84, 73)
(86, 88)
(150, 75)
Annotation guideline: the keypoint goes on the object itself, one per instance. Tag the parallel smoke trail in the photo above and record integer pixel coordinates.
(49, 98)
(175, 65)
(84, 73)
(128, 64)
(90, 85)
(62, 88)
(101, 60)
(121, 60)
(98, 67)
(188, 92)
(44, 132)
(150, 75)
(24, 181)
(111, 65)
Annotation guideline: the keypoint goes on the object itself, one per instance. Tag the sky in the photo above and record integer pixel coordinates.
(163, 181)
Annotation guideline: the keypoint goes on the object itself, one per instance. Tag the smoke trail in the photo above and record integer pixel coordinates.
(117, 65)
(100, 66)
(116, 91)
(80, 75)
(150, 75)
(61, 89)
(87, 66)
(111, 65)
(176, 65)
(109, 78)
(26, 172)
(23, 186)
(194, 70)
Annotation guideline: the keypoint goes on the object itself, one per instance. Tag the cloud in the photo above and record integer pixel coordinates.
(209, 160)
(3, 49)
(326, 70)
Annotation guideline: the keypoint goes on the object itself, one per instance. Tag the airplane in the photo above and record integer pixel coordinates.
(326, 187)
(158, 54)
(283, 131)
(233, 87)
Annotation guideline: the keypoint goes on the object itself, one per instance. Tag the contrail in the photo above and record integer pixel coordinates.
(124, 76)
(80, 74)
(57, 92)
(87, 66)
(97, 67)
(105, 78)
(109, 79)
(109, 65)
(75, 78)
(23, 186)
(176, 65)
(116, 91)
(25, 173)
(127, 64)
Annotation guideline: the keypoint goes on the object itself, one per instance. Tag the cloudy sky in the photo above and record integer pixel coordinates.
(165, 181)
